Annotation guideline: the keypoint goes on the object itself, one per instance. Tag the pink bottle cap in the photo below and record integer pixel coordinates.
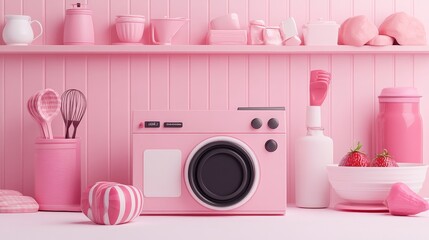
(399, 94)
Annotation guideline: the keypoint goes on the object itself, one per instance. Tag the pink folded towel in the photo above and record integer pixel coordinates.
(406, 29)
(18, 204)
(357, 31)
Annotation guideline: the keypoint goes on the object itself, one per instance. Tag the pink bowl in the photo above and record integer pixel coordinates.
(130, 32)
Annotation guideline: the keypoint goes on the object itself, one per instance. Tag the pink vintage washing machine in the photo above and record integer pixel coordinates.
(211, 162)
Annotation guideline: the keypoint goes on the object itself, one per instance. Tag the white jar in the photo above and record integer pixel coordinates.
(18, 31)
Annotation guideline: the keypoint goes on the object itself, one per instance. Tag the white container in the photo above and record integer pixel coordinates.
(18, 30)
(313, 153)
(371, 185)
(320, 33)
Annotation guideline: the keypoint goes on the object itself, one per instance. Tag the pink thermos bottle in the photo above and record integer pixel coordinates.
(399, 124)
(78, 26)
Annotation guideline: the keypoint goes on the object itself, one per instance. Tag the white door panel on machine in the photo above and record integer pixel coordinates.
(162, 172)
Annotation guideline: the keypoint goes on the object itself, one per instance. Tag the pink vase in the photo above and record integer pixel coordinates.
(399, 124)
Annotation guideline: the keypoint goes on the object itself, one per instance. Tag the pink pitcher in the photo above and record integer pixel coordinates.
(399, 124)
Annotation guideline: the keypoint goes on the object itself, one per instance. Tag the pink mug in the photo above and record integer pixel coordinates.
(399, 124)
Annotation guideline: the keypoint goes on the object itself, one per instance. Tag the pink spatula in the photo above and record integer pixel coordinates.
(319, 83)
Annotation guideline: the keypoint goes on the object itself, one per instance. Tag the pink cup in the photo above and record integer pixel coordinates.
(57, 178)
(399, 125)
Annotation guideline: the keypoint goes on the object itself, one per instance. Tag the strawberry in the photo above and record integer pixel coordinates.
(383, 160)
(355, 158)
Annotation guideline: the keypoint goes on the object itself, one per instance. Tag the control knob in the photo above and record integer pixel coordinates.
(273, 123)
(256, 123)
(271, 145)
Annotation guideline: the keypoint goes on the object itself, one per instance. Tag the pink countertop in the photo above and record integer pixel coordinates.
(296, 224)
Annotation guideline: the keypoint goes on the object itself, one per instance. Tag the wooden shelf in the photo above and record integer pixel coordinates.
(209, 49)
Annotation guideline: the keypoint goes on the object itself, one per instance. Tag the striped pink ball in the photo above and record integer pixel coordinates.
(112, 203)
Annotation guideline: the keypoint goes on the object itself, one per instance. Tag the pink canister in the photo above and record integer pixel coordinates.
(78, 26)
(57, 174)
(399, 124)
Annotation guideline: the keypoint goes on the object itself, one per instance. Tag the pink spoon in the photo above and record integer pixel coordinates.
(48, 107)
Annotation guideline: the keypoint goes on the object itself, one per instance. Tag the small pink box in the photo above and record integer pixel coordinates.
(227, 37)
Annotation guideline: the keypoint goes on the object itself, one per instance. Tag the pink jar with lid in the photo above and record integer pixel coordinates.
(399, 124)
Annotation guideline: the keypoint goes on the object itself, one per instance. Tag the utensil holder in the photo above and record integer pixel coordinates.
(57, 176)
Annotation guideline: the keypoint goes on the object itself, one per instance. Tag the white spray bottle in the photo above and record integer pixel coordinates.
(314, 151)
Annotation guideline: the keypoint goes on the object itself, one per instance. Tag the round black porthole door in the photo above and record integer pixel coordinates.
(221, 174)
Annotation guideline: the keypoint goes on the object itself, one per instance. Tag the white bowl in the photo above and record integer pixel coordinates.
(371, 185)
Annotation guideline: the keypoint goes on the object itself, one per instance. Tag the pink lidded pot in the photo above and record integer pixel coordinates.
(78, 26)
(399, 124)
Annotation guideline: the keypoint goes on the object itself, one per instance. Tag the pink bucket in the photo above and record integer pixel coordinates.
(57, 174)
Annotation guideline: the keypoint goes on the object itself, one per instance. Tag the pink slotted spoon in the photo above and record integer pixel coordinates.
(48, 106)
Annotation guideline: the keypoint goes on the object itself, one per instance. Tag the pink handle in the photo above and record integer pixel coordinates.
(41, 29)
(153, 35)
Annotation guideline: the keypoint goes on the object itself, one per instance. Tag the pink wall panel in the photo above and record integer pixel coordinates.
(119, 119)
(218, 82)
(33, 80)
(383, 8)
(404, 70)
(421, 73)
(198, 29)
(363, 102)
(179, 82)
(237, 82)
(116, 85)
(54, 17)
(278, 10)
(2, 125)
(98, 112)
(342, 105)
(404, 6)
(102, 31)
(13, 132)
(159, 88)
(258, 87)
(139, 82)
(319, 9)
(199, 83)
